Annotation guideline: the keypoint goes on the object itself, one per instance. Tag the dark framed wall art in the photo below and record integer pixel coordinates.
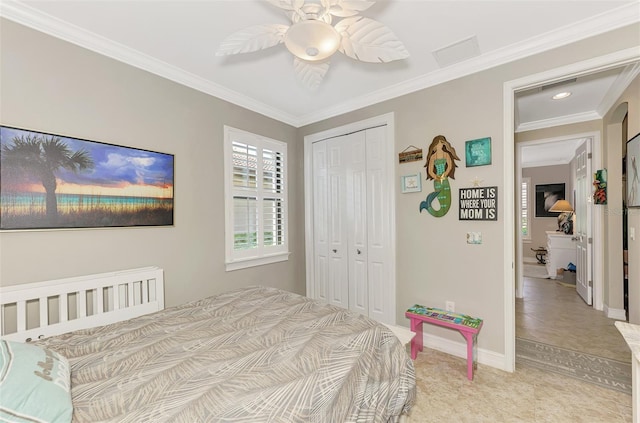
(51, 181)
(633, 171)
(546, 196)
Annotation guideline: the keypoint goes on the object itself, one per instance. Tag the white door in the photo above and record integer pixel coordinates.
(582, 228)
(352, 223)
(338, 270)
(379, 221)
(320, 223)
(355, 147)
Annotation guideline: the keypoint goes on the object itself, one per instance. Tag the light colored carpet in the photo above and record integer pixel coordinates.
(535, 271)
(605, 372)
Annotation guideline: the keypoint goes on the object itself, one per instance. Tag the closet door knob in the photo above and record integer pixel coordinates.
(359, 252)
(334, 250)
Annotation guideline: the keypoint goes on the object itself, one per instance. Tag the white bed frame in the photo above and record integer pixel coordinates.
(38, 310)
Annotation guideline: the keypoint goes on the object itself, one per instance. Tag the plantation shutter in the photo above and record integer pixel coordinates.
(245, 196)
(273, 201)
(257, 191)
(524, 201)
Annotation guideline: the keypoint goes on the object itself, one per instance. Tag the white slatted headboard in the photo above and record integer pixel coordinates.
(42, 309)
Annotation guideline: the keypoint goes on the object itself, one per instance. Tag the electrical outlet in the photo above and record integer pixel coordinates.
(450, 306)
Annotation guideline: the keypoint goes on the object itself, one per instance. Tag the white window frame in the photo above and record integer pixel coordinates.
(260, 255)
(526, 181)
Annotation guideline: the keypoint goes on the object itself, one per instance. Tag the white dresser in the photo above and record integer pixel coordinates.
(561, 250)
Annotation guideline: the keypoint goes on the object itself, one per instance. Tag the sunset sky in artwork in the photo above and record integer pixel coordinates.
(117, 171)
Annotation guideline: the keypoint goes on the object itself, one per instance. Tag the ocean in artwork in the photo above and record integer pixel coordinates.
(28, 210)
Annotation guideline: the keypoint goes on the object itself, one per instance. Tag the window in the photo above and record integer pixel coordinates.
(525, 218)
(255, 199)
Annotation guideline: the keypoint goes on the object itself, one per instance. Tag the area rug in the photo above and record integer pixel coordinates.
(605, 372)
(534, 271)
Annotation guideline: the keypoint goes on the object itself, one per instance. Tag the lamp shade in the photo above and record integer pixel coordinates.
(561, 206)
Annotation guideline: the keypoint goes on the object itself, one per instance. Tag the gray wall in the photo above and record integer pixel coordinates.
(52, 86)
(434, 262)
(629, 102)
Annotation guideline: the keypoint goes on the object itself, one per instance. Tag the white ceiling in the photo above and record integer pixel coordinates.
(550, 153)
(178, 40)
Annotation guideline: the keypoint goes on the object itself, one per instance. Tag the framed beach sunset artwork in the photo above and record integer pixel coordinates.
(55, 182)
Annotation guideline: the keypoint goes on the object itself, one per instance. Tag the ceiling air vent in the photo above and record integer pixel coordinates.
(457, 52)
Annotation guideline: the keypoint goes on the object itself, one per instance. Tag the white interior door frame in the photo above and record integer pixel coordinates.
(386, 120)
(585, 67)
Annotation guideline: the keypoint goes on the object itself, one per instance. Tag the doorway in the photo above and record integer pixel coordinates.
(512, 254)
(557, 158)
(555, 310)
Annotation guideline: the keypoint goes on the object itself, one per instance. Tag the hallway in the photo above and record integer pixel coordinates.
(553, 313)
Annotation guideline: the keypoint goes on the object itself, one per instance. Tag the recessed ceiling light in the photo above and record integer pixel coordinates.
(561, 95)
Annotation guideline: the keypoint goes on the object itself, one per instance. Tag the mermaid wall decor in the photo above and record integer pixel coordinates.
(440, 166)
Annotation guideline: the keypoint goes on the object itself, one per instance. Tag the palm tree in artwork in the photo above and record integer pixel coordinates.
(42, 156)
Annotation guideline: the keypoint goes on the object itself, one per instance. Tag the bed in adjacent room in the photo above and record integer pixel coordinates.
(255, 354)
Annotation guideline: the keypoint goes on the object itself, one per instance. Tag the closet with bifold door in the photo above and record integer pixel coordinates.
(351, 223)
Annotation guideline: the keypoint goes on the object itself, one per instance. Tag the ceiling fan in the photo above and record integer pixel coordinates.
(312, 39)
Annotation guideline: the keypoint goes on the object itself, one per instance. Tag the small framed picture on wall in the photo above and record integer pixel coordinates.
(411, 183)
(478, 152)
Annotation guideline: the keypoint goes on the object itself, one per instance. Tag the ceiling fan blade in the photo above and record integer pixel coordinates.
(369, 41)
(311, 74)
(287, 4)
(253, 38)
(346, 8)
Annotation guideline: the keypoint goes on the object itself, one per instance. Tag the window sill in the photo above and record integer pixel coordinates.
(252, 262)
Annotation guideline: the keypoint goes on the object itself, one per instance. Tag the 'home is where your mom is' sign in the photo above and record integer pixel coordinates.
(478, 203)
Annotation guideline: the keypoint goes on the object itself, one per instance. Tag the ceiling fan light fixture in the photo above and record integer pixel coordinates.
(312, 40)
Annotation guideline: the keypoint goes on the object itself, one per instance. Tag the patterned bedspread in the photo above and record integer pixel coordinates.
(251, 355)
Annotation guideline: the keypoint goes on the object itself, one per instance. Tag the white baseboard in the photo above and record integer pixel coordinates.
(489, 358)
(615, 313)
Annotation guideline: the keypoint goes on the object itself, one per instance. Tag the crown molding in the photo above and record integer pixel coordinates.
(619, 85)
(544, 163)
(558, 121)
(617, 18)
(28, 16)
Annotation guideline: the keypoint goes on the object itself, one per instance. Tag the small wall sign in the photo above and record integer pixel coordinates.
(410, 154)
(478, 152)
(478, 203)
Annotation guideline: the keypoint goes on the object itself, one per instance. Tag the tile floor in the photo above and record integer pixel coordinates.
(555, 314)
(526, 396)
(550, 313)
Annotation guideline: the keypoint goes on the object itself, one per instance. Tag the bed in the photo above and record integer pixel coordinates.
(255, 354)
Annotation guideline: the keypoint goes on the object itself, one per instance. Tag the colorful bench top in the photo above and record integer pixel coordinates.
(447, 316)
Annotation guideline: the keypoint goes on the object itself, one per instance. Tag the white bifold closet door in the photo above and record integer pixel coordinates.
(351, 222)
